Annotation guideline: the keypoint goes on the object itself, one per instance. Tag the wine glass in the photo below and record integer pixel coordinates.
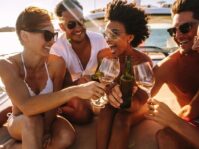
(144, 77)
(109, 70)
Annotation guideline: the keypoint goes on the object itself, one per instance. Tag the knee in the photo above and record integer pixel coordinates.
(82, 116)
(121, 121)
(33, 123)
(65, 138)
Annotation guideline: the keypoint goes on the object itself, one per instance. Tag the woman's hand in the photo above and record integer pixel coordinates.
(90, 90)
(160, 113)
(114, 97)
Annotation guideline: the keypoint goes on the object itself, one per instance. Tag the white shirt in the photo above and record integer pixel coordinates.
(63, 48)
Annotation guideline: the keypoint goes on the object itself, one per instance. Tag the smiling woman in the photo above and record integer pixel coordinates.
(32, 123)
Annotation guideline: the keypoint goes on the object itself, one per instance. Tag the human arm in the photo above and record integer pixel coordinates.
(162, 114)
(191, 110)
(159, 79)
(31, 105)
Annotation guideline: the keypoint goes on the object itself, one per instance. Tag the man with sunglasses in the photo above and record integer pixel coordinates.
(78, 48)
(180, 70)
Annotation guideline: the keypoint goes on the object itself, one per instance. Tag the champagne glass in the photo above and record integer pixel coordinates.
(109, 70)
(144, 77)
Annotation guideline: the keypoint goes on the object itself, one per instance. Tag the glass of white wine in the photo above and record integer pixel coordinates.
(144, 77)
(109, 70)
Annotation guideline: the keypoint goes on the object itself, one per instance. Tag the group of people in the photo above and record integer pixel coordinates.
(50, 87)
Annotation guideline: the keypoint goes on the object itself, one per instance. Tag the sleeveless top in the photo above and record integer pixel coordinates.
(49, 84)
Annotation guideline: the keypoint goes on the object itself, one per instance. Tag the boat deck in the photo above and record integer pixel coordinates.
(86, 134)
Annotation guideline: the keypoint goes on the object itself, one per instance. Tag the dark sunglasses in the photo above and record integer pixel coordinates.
(184, 28)
(73, 24)
(48, 35)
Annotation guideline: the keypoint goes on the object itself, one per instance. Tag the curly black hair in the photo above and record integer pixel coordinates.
(133, 18)
(71, 4)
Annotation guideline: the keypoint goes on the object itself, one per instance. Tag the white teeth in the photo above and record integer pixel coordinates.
(47, 48)
(78, 33)
(184, 42)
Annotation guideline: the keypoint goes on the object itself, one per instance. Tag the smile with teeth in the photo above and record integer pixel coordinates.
(47, 48)
(113, 48)
(184, 42)
(78, 33)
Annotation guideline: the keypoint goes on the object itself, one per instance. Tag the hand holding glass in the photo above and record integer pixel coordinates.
(110, 69)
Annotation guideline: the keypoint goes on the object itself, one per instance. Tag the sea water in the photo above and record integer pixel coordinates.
(9, 42)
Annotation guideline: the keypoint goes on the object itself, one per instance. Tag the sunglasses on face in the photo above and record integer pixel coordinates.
(48, 35)
(113, 34)
(73, 24)
(184, 28)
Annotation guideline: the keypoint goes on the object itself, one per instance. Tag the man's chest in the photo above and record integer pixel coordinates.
(84, 55)
(186, 77)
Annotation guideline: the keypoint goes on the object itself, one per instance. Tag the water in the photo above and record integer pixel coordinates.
(158, 37)
(9, 43)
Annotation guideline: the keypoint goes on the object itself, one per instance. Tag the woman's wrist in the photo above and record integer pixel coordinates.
(71, 92)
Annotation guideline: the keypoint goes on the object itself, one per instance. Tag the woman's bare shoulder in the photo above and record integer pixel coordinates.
(106, 52)
(140, 57)
(9, 64)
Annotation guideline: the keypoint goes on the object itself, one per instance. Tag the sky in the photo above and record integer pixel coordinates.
(10, 9)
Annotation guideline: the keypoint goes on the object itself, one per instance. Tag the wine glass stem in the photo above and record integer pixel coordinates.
(149, 94)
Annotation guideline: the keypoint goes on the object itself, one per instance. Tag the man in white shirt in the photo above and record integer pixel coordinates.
(78, 49)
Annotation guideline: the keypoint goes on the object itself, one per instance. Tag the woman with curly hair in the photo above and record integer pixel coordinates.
(126, 28)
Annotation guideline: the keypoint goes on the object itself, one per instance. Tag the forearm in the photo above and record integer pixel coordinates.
(42, 103)
(194, 104)
(188, 131)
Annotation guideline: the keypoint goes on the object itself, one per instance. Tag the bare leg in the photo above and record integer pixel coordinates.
(167, 137)
(27, 129)
(145, 131)
(63, 134)
(123, 122)
(77, 111)
(104, 126)
(120, 131)
(16, 145)
(13, 145)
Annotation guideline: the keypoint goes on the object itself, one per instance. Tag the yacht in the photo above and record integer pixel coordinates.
(162, 8)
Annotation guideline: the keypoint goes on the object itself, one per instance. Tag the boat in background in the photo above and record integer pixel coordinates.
(161, 8)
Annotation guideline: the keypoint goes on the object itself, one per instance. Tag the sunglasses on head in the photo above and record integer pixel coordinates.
(73, 24)
(184, 28)
(48, 35)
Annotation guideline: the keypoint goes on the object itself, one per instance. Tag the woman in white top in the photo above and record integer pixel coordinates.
(29, 83)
